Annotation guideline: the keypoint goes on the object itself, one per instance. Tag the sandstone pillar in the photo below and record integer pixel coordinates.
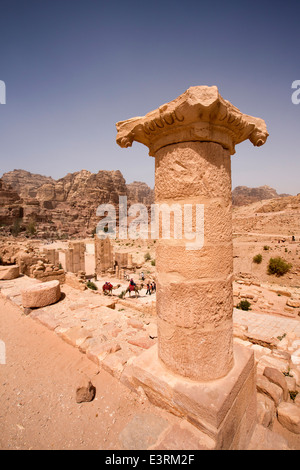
(196, 371)
(75, 257)
(192, 139)
(103, 255)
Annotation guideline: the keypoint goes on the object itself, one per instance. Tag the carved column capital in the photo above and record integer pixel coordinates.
(199, 114)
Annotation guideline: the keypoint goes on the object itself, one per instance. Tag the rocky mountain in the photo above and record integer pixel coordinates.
(67, 207)
(10, 205)
(138, 192)
(24, 182)
(242, 195)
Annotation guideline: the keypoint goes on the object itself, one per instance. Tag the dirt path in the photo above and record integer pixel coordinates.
(38, 409)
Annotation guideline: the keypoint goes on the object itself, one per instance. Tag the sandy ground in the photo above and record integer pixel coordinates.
(38, 409)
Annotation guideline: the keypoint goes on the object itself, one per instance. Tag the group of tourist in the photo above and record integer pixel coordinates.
(151, 286)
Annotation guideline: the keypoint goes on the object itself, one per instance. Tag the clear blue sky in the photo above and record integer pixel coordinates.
(73, 68)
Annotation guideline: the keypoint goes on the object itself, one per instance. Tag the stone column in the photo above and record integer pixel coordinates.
(103, 255)
(75, 257)
(192, 139)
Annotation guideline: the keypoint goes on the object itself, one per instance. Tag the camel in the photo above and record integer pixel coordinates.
(136, 289)
(108, 288)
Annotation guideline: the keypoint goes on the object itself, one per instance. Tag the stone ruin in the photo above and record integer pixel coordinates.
(106, 261)
(75, 257)
(196, 371)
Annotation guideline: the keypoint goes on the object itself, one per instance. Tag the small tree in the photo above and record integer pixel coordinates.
(30, 229)
(91, 285)
(257, 259)
(147, 256)
(278, 266)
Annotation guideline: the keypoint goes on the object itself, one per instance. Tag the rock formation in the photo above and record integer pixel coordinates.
(242, 195)
(66, 207)
(10, 205)
(24, 182)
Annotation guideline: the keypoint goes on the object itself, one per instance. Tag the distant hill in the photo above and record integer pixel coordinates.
(242, 195)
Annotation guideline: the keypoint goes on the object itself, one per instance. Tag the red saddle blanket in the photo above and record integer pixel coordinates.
(107, 287)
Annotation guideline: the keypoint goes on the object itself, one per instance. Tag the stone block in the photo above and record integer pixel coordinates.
(224, 409)
(270, 389)
(289, 416)
(276, 377)
(9, 272)
(41, 295)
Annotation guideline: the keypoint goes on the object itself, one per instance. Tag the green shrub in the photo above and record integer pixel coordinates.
(257, 259)
(278, 266)
(244, 305)
(91, 285)
(147, 256)
(266, 247)
(153, 262)
(30, 229)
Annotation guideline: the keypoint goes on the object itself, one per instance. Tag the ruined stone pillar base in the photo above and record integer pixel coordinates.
(224, 409)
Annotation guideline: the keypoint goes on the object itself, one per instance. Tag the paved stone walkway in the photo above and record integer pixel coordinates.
(266, 324)
(112, 332)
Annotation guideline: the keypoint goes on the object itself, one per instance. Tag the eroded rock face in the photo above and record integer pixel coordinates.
(10, 204)
(140, 193)
(24, 182)
(68, 206)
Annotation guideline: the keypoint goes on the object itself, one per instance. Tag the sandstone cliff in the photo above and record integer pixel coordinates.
(67, 207)
(10, 205)
(24, 182)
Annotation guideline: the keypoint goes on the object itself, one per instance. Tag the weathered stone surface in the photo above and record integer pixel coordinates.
(41, 295)
(73, 281)
(179, 437)
(293, 303)
(143, 342)
(266, 410)
(225, 409)
(273, 391)
(142, 432)
(265, 439)
(289, 416)
(9, 272)
(85, 391)
(157, 127)
(276, 377)
(270, 361)
(295, 357)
